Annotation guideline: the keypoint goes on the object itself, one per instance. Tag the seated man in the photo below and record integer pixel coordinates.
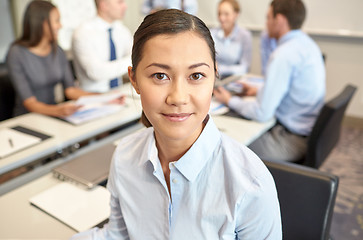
(294, 86)
(102, 48)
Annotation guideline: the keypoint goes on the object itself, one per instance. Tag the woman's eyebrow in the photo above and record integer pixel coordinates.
(164, 66)
(198, 65)
(160, 65)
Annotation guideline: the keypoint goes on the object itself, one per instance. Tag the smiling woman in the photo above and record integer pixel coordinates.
(175, 90)
(182, 178)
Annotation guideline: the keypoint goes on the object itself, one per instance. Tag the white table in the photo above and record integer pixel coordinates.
(20, 220)
(243, 130)
(65, 135)
(17, 213)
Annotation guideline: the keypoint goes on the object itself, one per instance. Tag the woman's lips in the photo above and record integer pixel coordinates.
(177, 117)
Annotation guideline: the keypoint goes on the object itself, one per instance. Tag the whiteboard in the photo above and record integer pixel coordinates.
(325, 17)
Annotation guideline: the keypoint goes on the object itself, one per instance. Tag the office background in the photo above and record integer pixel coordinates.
(335, 25)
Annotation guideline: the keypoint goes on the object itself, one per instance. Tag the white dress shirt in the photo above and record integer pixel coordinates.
(91, 53)
(219, 190)
(234, 52)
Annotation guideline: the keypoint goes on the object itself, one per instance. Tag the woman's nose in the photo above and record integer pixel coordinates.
(178, 93)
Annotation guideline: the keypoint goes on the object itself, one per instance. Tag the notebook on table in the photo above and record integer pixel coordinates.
(17, 138)
(79, 208)
(89, 169)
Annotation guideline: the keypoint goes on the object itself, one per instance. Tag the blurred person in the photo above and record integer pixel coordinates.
(36, 64)
(101, 48)
(294, 87)
(233, 43)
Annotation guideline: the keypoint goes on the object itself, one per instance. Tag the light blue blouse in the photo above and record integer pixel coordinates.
(294, 88)
(234, 52)
(219, 190)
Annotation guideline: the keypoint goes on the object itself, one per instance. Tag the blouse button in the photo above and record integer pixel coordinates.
(175, 180)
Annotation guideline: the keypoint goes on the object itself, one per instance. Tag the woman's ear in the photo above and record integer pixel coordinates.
(133, 79)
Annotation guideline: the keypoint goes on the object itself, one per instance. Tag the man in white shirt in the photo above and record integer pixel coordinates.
(102, 48)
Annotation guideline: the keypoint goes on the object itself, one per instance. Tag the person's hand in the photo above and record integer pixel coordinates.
(222, 95)
(66, 109)
(249, 90)
(119, 100)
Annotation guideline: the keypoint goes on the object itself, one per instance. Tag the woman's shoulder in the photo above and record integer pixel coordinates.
(134, 144)
(16, 49)
(242, 160)
(60, 54)
(16, 53)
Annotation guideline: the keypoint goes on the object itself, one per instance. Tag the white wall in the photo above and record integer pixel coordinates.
(344, 63)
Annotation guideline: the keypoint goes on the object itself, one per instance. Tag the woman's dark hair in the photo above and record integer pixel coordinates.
(35, 14)
(293, 10)
(169, 21)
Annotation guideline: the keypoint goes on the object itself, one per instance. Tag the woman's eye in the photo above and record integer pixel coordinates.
(196, 76)
(160, 76)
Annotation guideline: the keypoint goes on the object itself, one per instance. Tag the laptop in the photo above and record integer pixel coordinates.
(89, 169)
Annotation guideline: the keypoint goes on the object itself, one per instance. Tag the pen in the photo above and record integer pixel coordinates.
(11, 142)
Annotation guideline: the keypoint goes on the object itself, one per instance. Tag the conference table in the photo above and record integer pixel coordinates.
(65, 138)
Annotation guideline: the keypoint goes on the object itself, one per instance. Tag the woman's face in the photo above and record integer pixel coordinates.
(227, 16)
(55, 25)
(175, 79)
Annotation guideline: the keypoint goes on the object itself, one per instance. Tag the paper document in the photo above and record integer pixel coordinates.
(217, 108)
(98, 99)
(77, 207)
(12, 141)
(233, 82)
(95, 106)
(91, 112)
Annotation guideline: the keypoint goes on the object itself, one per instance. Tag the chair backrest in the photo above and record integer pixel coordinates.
(326, 131)
(307, 198)
(7, 94)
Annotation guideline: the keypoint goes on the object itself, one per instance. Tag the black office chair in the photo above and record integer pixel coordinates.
(326, 131)
(307, 198)
(7, 94)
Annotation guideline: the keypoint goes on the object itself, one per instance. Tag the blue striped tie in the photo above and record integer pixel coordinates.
(113, 82)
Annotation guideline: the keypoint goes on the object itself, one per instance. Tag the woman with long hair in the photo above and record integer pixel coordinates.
(36, 64)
